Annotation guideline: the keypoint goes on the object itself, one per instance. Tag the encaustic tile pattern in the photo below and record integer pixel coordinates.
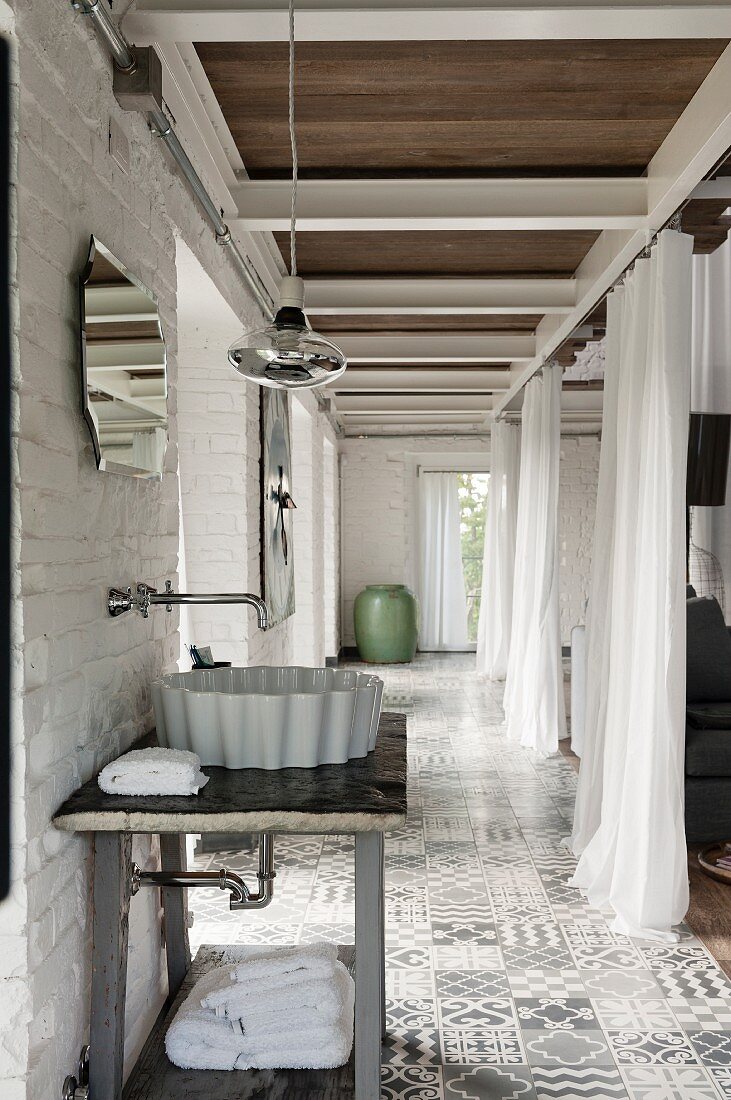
(502, 982)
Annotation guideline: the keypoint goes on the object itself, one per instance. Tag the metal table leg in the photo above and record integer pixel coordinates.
(112, 879)
(369, 964)
(173, 857)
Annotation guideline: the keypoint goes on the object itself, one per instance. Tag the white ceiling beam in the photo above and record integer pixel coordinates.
(434, 347)
(426, 296)
(413, 403)
(122, 302)
(448, 204)
(124, 356)
(421, 20)
(697, 142)
(720, 188)
(422, 381)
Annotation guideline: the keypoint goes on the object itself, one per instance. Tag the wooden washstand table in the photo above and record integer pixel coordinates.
(364, 797)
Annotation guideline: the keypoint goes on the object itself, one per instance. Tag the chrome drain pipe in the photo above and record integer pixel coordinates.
(265, 877)
(240, 895)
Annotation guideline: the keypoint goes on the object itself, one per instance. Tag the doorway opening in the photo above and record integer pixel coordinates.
(472, 489)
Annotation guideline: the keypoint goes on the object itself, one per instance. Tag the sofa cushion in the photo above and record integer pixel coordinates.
(707, 752)
(708, 652)
(709, 716)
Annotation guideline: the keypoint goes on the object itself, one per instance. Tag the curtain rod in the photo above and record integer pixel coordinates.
(674, 222)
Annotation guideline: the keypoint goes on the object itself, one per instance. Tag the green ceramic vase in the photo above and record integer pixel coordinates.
(386, 624)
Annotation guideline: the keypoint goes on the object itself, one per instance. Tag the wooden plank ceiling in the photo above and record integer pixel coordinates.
(368, 110)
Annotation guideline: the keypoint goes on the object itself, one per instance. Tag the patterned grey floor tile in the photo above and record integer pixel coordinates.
(482, 1046)
(408, 958)
(488, 1083)
(458, 931)
(639, 1014)
(412, 1048)
(467, 956)
(608, 957)
(543, 958)
(532, 935)
(567, 1048)
(411, 1014)
(712, 1047)
(694, 984)
(556, 1014)
(721, 1078)
(491, 984)
(668, 1083)
(632, 984)
(575, 1083)
(411, 1082)
(406, 984)
(532, 984)
(471, 1012)
(711, 1015)
(407, 935)
(677, 957)
(670, 1048)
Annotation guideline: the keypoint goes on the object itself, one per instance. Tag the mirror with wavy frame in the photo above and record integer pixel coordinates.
(124, 379)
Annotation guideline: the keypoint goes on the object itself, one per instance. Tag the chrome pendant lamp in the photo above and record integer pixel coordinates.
(287, 354)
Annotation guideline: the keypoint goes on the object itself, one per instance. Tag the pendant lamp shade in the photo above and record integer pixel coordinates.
(287, 353)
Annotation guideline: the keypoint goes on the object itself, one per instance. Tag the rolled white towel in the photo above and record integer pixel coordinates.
(197, 1039)
(153, 771)
(309, 1003)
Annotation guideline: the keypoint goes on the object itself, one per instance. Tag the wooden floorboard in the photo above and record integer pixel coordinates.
(710, 910)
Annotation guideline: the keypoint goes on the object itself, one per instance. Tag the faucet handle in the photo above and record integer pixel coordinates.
(144, 591)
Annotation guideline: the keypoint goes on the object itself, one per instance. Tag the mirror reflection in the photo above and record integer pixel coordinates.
(124, 375)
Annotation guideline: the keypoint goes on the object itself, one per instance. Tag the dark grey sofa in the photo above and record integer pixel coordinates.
(708, 723)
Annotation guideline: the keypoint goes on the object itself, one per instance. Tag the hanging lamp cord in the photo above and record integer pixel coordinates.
(293, 143)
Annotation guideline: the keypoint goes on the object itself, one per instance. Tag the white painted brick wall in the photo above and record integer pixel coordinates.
(579, 473)
(218, 422)
(82, 679)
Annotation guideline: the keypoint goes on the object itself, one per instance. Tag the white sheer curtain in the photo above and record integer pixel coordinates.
(148, 449)
(534, 701)
(496, 602)
(635, 862)
(599, 610)
(441, 579)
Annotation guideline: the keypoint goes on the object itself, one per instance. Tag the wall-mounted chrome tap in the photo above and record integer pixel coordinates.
(120, 600)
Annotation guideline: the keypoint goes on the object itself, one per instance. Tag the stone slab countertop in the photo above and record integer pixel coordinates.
(364, 795)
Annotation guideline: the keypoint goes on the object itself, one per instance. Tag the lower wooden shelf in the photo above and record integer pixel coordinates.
(154, 1077)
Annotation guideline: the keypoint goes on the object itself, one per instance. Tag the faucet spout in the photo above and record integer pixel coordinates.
(169, 598)
(145, 597)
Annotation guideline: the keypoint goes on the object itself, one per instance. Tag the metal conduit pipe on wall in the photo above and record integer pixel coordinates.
(124, 59)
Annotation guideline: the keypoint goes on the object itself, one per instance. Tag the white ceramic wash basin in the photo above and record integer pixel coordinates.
(269, 717)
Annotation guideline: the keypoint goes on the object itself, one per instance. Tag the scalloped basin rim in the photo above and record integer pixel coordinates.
(268, 716)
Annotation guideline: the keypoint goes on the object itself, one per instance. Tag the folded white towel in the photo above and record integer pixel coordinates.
(197, 1039)
(277, 969)
(153, 771)
(308, 1003)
